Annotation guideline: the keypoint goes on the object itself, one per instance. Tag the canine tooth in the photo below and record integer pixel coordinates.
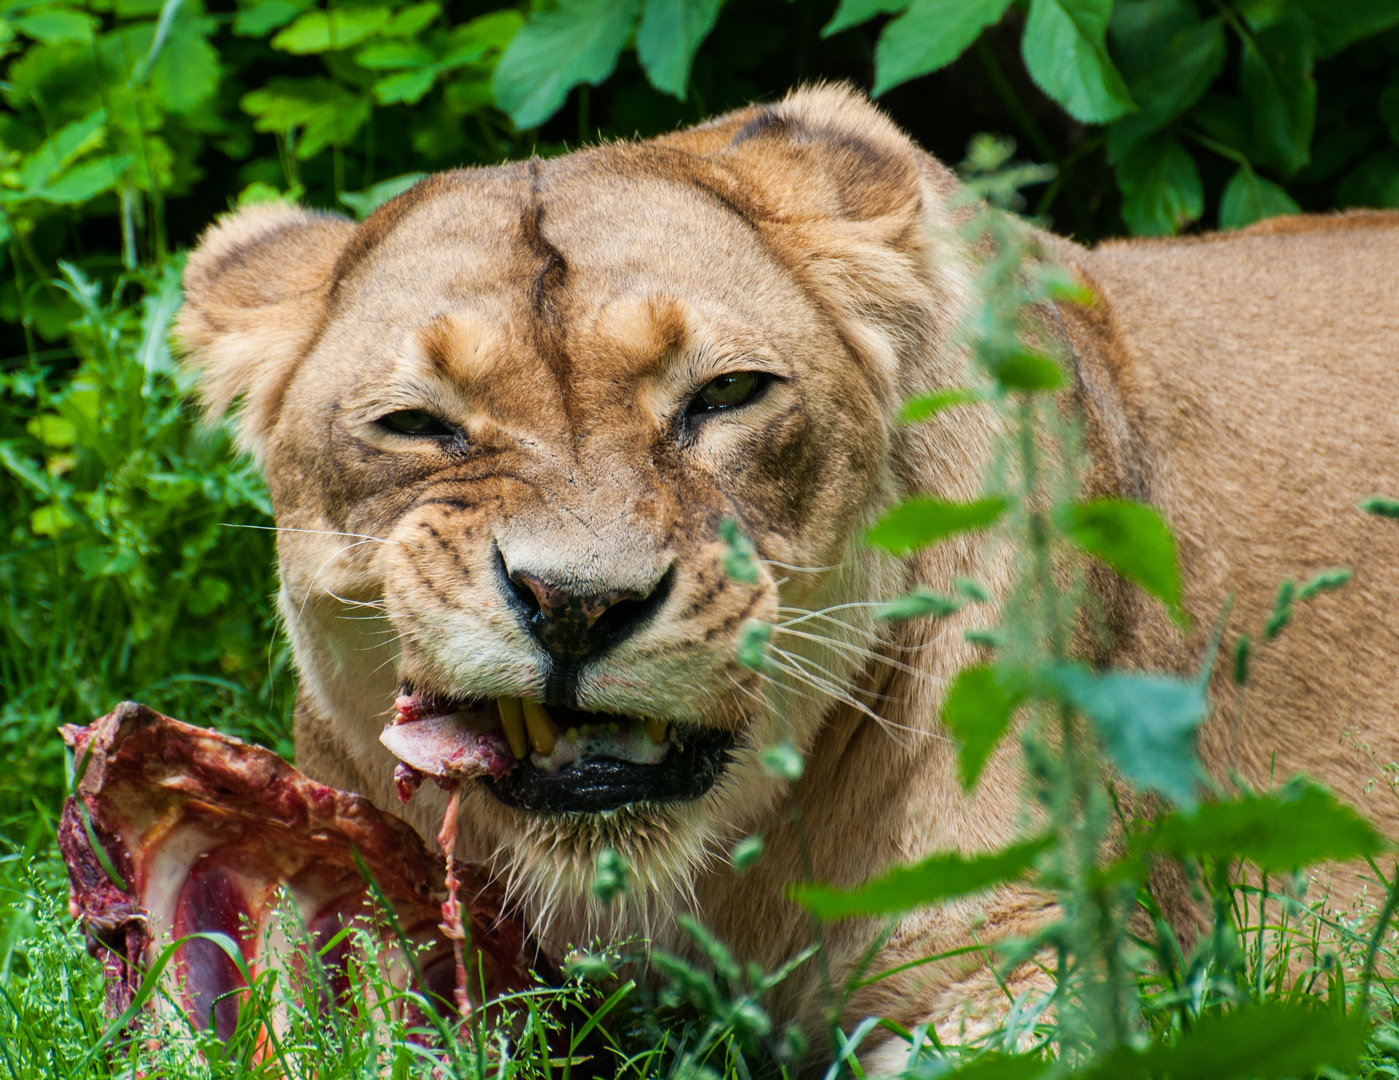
(542, 732)
(656, 729)
(512, 722)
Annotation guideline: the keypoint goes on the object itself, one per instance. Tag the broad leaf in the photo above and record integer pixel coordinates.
(929, 35)
(935, 401)
(63, 147)
(853, 12)
(1270, 1041)
(266, 15)
(1337, 23)
(1065, 52)
(923, 520)
(931, 881)
(1161, 188)
(365, 202)
(560, 46)
(1163, 81)
(327, 113)
(670, 33)
(338, 28)
(55, 25)
(1134, 541)
(405, 87)
(978, 710)
(186, 73)
(1280, 93)
(85, 181)
(1285, 830)
(919, 604)
(1147, 725)
(1249, 198)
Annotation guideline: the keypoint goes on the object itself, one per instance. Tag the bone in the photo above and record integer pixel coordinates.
(197, 831)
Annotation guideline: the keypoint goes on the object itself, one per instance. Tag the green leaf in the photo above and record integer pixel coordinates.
(935, 401)
(1381, 506)
(978, 710)
(1147, 724)
(1270, 1041)
(745, 854)
(1243, 651)
(1134, 541)
(404, 88)
(365, 202)
(999, 1067)
(1335, 24)
(923, 520)
(338, 28)
(1282, 610)
(413, 19)
(1065, 52)
(85, 181)
(929, 35)
(1161, 188)
(753, 641)
(782, 761)
(328, 113)
(1280, 94)
(918, 604)
(63, 147)
(853, 12)
(560, 46)
(53, 26)
(1168, 80)
(740, 558)
(50, 520)
(391, 55)
(1027, 371)
(670, 33)
(1249, 198)
(478, 39)
(186, 73)
(931, 881)
(267, 15)
(52, 430)
(1298, 826)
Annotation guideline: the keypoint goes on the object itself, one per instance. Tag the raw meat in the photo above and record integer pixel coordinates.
(203, 832)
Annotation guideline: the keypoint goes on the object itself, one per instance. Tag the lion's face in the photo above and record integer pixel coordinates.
(510, 420)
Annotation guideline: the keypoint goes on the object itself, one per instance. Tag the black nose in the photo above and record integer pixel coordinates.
(574, 625)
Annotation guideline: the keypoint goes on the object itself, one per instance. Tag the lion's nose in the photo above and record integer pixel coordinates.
(573, 625)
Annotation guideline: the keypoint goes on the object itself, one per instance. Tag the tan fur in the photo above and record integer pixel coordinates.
(561, 312)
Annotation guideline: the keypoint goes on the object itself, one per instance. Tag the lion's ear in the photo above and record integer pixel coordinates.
(822, 152)
(256, 292)
(853, 207)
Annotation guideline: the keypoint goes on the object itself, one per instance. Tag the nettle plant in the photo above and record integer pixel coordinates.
(1113, 782)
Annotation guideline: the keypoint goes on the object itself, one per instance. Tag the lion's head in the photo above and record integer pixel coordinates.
(506, 418)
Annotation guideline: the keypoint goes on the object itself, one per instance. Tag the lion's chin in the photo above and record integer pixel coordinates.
(554, 761)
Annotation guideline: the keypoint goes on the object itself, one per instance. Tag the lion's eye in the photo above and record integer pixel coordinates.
(418, 423)
(729, 390)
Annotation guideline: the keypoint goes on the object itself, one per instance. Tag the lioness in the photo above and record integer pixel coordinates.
(505, 417)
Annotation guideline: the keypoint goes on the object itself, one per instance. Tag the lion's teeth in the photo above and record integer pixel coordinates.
(656, 729)
(542, 732)
(512, 722)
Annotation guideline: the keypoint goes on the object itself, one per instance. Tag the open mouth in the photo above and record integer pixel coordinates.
(552, 760)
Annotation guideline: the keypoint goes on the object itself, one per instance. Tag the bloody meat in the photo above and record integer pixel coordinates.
(203, 832)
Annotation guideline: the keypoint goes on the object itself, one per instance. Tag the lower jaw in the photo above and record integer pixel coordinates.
(549, 768)
(598, 784)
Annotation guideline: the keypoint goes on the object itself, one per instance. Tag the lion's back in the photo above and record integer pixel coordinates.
(1260, 376)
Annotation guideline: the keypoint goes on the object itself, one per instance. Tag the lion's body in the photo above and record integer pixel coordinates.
(1246, 385)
